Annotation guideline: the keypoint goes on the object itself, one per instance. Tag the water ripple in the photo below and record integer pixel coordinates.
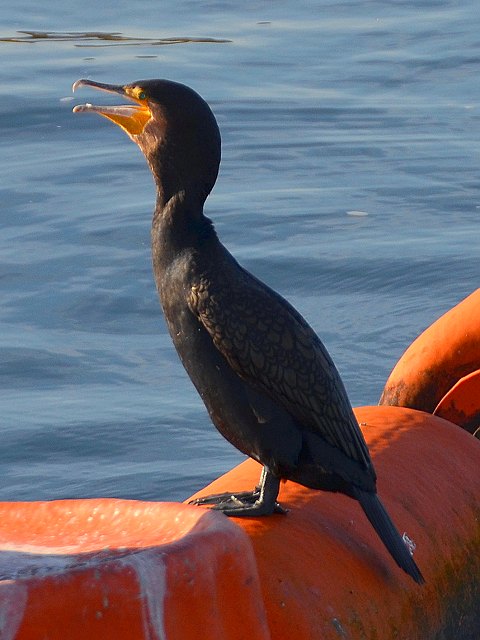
(109, 39)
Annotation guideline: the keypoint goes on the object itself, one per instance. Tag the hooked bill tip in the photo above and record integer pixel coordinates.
(77, 84)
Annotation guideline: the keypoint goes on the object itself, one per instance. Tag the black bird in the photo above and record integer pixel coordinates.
(267, 381)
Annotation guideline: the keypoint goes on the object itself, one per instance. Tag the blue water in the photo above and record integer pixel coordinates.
(349, 182)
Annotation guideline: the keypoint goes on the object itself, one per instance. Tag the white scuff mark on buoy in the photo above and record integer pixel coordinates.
(13, 600)
(151, 573)
(339, 628)
(23, 561)
(409, 543)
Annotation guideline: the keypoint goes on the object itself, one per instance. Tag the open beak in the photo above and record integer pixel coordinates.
(132, 118)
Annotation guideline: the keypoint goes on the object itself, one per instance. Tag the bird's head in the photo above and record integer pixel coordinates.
(175, 129)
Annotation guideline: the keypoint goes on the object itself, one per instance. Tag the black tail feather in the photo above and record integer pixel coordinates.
(383, 525)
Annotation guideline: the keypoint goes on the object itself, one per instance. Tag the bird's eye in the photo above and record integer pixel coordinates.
(142, 95)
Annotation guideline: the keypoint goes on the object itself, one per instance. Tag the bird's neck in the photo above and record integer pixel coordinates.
(178, 225)
(180, 179)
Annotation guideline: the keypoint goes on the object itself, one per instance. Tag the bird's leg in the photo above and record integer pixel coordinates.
(262, 501)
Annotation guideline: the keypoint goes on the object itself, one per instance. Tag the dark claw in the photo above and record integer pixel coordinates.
(243, 503)
(247, 497)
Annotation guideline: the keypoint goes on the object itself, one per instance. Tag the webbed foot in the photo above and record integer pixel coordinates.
(262, 501)
(243, 503)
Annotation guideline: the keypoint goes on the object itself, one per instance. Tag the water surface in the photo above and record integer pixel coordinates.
(349, 183)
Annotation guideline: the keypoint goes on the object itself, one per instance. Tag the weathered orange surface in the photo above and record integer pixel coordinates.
(113, 569)
(118, 569)
(461, 405)
(325, 574)
(443, 354)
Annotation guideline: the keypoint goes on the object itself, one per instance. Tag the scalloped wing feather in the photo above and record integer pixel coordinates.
(270, 346)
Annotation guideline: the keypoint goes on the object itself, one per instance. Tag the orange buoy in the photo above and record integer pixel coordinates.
(324, 573)
(117, 569)
(125, 570)
(443, 354)
(461, 405)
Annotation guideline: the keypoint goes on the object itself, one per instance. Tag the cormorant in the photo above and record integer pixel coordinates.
(267, 381)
